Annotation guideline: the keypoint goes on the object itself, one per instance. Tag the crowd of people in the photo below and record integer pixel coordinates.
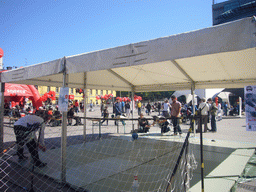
(179, 113)
(48, 111)
(168, 113)
(171, 109)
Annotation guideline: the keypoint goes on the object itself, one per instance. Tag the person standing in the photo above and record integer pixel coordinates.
(159, 106)
(81, 105)
(219, 112)
(204, 108)
(24, 130)
(118, 109)
(123, 106)
(105, 115)
(213, 112)
(139, 108)
(148, 107)
(175, 114)
(76, 106)
(225, 109)
(166, 108)
(127, 109)
(102, 107)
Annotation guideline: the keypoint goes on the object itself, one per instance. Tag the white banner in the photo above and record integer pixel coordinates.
(63, 99)
(250, 107)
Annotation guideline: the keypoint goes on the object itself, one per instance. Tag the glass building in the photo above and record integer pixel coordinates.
(232, 10)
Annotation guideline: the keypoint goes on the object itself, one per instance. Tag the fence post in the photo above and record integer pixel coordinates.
(201, 151)
(2, 117)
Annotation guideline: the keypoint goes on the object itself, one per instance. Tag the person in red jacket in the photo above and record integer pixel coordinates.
(76, 106)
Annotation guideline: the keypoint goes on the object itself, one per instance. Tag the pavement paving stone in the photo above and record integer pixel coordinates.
(225, 153)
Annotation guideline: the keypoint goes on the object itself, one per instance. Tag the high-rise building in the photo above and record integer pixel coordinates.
(232, 10)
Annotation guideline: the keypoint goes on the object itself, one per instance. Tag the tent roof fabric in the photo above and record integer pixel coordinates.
(215, 57)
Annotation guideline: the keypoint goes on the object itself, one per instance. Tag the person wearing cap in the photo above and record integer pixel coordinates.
(175, 114)
(213, 111)
(25, 131)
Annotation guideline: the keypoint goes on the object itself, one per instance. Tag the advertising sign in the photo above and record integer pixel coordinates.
(63, 99)
(250, 107)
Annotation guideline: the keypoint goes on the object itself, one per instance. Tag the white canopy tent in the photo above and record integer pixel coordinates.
(187, 94)
(223, 95)
(214, 57)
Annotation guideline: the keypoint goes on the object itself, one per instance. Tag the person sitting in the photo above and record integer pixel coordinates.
(50, 111)
(57, 113)
(16, 112)
(143, 125)
(163, 124)
(28, 110)
(71, 115)
(55, 119)
(40, 112)
(6, 109)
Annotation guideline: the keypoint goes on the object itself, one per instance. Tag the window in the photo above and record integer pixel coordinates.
(101, 92)
(90, 92)
(36, 86)
(57, 90)
(231, 6)
(48, 88)
(71, 90)
(96, 91)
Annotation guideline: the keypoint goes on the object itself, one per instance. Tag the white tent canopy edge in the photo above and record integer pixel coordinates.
(214, 57)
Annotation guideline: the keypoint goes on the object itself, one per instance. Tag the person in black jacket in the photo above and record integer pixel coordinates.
(143, 124)
(71, 115)
(148, 107)
(105, 115)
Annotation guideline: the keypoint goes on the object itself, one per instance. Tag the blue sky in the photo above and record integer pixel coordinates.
(36, 31)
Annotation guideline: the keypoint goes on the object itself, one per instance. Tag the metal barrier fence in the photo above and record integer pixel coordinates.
(107, 160)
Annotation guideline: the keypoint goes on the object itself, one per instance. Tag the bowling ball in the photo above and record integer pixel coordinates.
(135, 136)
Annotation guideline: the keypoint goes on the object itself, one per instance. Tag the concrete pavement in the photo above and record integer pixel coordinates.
(225, 153)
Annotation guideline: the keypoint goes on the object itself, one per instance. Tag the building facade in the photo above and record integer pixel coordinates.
(91, 93)
(232, 10)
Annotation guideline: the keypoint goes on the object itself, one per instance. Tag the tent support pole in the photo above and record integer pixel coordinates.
(201, 151)
(240, 107)
(133, 107)
(2, 117)
(193, 103)
(64, 132)
(85, 104)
